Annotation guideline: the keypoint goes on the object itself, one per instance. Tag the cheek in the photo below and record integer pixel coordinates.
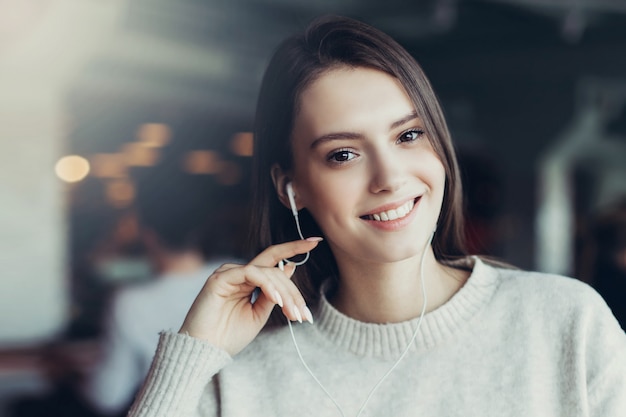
(438, 181)
(439, 191)
(439, 178)
(435, 173)
(322, 186)
(330, 199)
(329, 194)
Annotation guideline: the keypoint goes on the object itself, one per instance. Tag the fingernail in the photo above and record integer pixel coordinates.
(315, 239)
(308, 315)
(293, 268)
(279, 299)
(296, 312)
(281, 265)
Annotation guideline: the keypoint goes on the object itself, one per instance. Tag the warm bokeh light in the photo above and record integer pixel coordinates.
(202, 162)
(72, 168)
(135, 154)
(154, 135)
(242, 144)
(120, 193)
(229, 174)
(108, 165)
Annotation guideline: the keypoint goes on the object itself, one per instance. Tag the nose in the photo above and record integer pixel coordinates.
(387, 173)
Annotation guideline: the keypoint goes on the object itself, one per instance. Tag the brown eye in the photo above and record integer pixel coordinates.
(341, 156)
(410, 135)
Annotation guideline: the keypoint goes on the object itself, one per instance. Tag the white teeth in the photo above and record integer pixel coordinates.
(394, 214)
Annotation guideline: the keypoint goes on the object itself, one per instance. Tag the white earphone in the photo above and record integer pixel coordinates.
(291, 195)
(292, 199)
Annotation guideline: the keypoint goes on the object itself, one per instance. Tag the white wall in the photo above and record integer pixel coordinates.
(43, 44)
(33, 298)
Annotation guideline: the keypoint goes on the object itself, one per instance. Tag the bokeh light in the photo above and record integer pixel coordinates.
(72, 168)
(202, 162)
(120, 193)
(109, 165)
(154, 135)
(242, 144)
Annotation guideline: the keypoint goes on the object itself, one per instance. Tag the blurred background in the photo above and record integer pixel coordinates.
(101, 99)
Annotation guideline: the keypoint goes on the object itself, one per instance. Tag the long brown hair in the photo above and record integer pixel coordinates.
(328, 43)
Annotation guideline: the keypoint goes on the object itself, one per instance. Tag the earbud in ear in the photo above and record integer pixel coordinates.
(292, 200)
(294, 209)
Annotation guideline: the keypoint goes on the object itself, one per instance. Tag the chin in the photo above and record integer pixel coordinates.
(392, 254)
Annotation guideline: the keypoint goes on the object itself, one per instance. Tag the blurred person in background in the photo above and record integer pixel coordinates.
(179, 229)
(609, 271)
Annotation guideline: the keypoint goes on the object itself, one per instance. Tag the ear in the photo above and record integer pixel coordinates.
(280, 179)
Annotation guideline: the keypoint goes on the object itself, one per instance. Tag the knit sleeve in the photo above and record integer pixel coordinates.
(606, 364)
(179, 376)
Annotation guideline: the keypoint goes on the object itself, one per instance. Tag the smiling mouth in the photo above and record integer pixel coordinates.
(394, 214)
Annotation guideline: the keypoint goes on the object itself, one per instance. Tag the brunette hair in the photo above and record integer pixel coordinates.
(327, 43)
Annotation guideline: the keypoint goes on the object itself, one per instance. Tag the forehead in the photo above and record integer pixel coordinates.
(346, 98)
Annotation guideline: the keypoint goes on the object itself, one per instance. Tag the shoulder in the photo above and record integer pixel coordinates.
(549, 298)
(134, 296)
(547, 307)
(539, 286)
(566, 320)
(157, 299)
(167, 288)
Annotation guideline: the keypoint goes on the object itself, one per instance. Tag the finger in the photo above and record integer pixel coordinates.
(257, 291)
(273, 254)
(282, 291)
(294, 307)
(288, 273)
(278, 287)
(226, 267)
(239, 282)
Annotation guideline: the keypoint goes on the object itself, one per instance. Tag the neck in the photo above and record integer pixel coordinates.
(392, 292)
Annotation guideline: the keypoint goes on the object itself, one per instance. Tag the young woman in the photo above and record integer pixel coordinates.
(396, 320)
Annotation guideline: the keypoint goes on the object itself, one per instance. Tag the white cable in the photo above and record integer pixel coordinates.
(293, 337)
(306, 258)
(395, 365)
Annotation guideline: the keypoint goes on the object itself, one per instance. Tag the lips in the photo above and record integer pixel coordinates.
(393, 213)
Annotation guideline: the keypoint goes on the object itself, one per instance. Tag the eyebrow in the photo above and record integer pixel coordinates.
(353, 135)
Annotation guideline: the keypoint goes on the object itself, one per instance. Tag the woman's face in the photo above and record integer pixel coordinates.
(364, 167)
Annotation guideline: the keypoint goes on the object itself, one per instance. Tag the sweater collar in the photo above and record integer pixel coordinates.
(390, 340)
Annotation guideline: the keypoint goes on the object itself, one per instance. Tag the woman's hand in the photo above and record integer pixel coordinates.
(222, 313)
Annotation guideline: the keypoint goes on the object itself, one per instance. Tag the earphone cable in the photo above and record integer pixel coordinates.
(293, 337)
(395, 365)
(306, 258)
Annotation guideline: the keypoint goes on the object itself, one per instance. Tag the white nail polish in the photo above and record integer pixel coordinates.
(308, 315)
(296, 312)
(279, 299)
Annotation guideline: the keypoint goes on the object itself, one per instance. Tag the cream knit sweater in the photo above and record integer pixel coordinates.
(509, 343)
